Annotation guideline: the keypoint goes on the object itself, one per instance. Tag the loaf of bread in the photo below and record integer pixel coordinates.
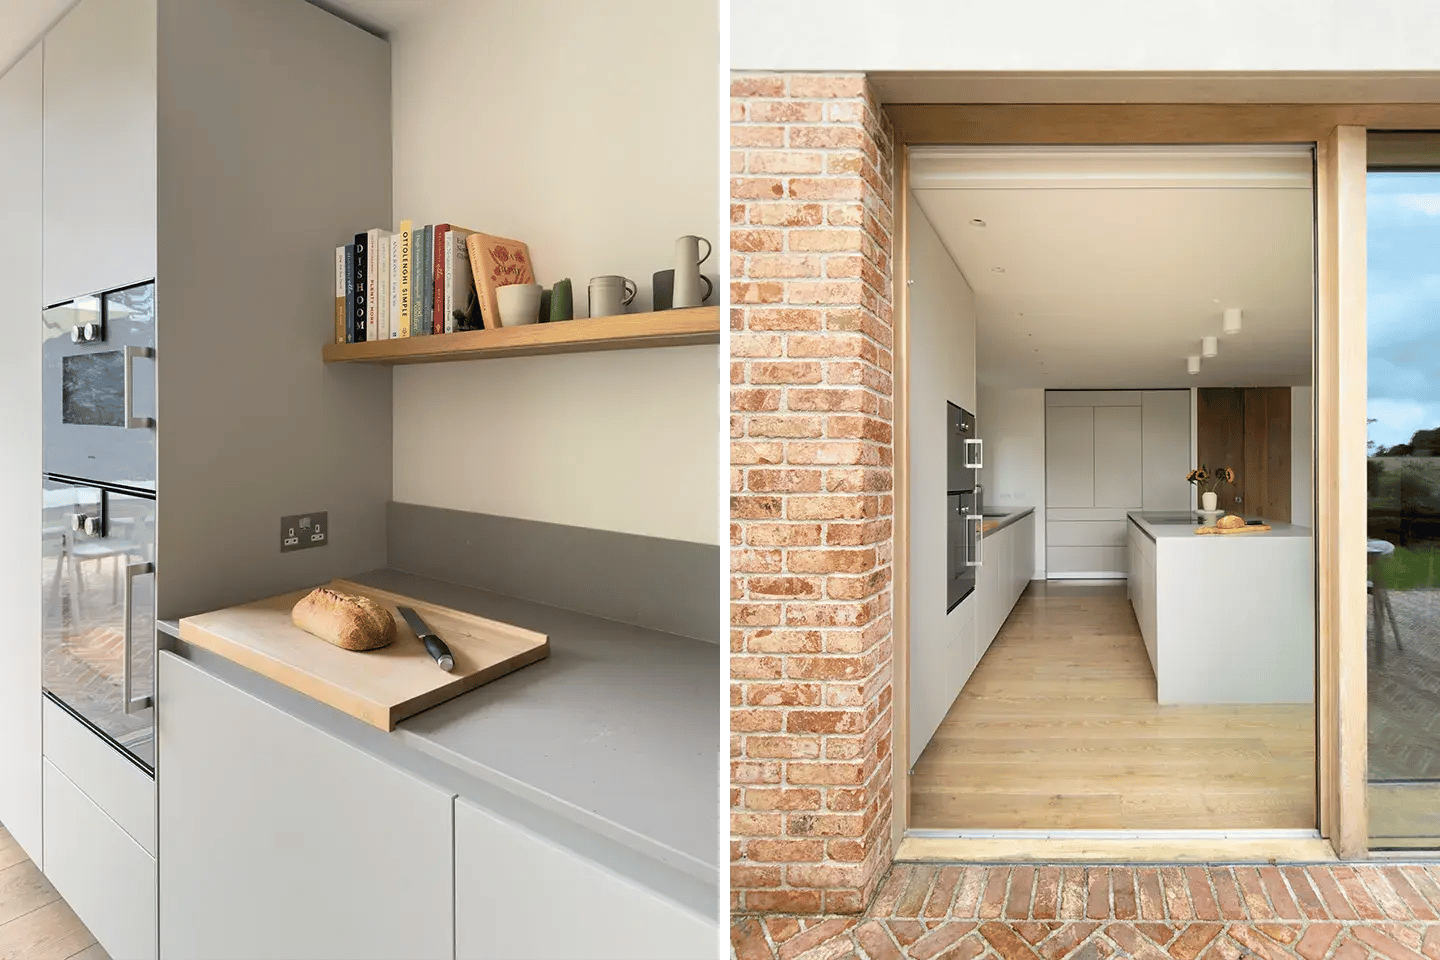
(1230, 522)
(352, 623)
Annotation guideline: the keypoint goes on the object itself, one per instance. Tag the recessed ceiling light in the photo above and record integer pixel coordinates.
(997, 269)
(977, 222)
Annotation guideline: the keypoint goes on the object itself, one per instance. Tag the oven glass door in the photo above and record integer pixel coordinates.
(99, 601)
(960, 548)
(99, 387)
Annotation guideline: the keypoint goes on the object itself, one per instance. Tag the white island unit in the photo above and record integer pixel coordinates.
(1226, 618)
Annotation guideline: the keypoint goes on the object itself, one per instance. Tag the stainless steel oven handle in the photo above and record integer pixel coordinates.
(133, 422)
(133, 704)
(979, 445)
(979, 560)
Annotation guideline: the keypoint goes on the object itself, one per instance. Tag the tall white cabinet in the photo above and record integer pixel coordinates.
(20, 265)
(1108, 452)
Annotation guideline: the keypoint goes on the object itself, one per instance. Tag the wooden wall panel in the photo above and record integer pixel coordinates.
(1220, 433)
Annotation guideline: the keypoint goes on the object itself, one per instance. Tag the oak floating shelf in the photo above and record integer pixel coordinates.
(633, 331)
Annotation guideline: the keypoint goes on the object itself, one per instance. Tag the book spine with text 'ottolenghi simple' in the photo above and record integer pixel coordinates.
(407, 236)
(362, 315)
(347, 333)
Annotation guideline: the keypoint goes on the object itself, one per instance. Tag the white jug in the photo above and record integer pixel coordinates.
(687, 272)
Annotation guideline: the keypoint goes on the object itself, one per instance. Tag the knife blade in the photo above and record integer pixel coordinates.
(433, 644)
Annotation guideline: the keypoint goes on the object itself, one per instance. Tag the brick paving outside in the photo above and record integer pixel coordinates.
(1404, 690)
(1191, 912)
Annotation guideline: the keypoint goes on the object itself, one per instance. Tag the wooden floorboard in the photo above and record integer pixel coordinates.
(35, 923)
(1059, 728)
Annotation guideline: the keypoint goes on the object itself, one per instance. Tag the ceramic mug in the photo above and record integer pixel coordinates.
(519, 303)
(610, 295)
(687, 272)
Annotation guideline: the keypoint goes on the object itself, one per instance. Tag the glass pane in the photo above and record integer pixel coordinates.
(85, 582)
(1403, 477)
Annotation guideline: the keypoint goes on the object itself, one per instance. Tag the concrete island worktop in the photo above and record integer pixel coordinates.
(996, 520)
(610, 744)
(1225, 618)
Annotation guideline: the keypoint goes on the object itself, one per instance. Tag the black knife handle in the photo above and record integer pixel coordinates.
(438, 651)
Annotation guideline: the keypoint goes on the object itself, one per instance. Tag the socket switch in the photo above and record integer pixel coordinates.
(303, 530)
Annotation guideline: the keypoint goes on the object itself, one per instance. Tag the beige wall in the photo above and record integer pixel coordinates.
(590, 131)
(1012, 422)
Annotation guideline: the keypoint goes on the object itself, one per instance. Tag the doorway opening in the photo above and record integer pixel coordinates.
(1115, 319)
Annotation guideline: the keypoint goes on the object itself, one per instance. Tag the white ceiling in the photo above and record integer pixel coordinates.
(25, 20)
(1116, 262)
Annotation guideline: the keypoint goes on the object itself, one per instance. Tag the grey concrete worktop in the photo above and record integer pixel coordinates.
(1183, 525)
(1016, 513)
(617, 731)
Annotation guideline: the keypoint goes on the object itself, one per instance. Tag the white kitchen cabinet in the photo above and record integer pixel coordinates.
(124, 791)
(20, 527)
(1165, 449)
(100, 148)
(1070, 456)
(965, 652)
(278, 840)
(521, 897)
(1117, 456)
(1141, 588)
(104, 875)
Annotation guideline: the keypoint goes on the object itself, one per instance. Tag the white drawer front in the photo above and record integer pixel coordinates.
(105, 876)
(124, 791)
(1085, 533)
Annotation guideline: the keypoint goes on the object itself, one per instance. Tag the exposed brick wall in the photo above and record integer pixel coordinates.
(812, 504)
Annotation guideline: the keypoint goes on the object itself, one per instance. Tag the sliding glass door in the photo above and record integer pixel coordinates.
(1403, 481)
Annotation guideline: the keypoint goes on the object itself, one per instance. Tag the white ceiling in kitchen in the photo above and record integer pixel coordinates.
(1103, 268)
(24, 20)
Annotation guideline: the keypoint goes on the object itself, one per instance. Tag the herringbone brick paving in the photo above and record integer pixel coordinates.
(1053, 912)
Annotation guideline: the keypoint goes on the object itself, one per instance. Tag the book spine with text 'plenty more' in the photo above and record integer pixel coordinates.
(382, 287)
(362, 260)
(340, 294)
(347, 335)
(406, 240)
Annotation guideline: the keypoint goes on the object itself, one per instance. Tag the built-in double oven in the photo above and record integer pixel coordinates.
(964, 456)
(98, 532)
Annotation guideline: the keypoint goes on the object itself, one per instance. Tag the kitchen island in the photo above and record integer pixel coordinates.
(1226, 618)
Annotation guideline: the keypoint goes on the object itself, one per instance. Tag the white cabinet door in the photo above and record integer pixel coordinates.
(100, 128)
(278, 840)
(103, 874)
(522, 897)
(20, 145)
(1070, 456)
(1117, 456)
(965, 647)
(1165, 456)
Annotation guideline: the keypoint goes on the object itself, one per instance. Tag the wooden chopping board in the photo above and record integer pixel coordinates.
(381, 687)
(1257, 528)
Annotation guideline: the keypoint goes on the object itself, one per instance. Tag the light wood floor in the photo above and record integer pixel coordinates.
(35, 924)
(1058, 728)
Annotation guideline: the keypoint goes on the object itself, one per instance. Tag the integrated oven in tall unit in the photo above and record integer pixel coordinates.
(98, 551)
(964, 456)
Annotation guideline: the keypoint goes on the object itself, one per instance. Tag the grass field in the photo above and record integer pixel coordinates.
(1409, 567)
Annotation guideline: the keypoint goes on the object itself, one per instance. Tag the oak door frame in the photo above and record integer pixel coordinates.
(1337, 132)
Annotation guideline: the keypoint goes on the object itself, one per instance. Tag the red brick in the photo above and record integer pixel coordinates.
(1097, 901)
(876, 940)
(1355, 891)
(940, 940)
(1151, 898)
(938, 904)
(1257, 943)
(972, 887)
(743, 85)
(1331, 893)
(1305, 893)
(1022, 879)
(1066, 939)
(1412, 897)
(912, 901)
(826, 86)
(814, 937)
(1281, 901)
(1253, 892)
(992, 902)
(1196, 937)
(1123, 883)
(1380, 889)
(1316, 942)
(1386, 946)
(1006, 941)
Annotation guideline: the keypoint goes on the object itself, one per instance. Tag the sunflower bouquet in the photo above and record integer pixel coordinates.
(1207, 480)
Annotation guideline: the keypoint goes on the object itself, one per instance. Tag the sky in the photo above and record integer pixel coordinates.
(1403, 303)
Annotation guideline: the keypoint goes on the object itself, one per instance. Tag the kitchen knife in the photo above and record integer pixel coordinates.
(433, 644)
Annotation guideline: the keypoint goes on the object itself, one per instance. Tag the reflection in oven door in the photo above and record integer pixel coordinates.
(98, 380)
(99, 602)
(960, 533)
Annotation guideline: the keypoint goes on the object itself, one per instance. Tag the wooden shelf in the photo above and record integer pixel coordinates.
(667, 328)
